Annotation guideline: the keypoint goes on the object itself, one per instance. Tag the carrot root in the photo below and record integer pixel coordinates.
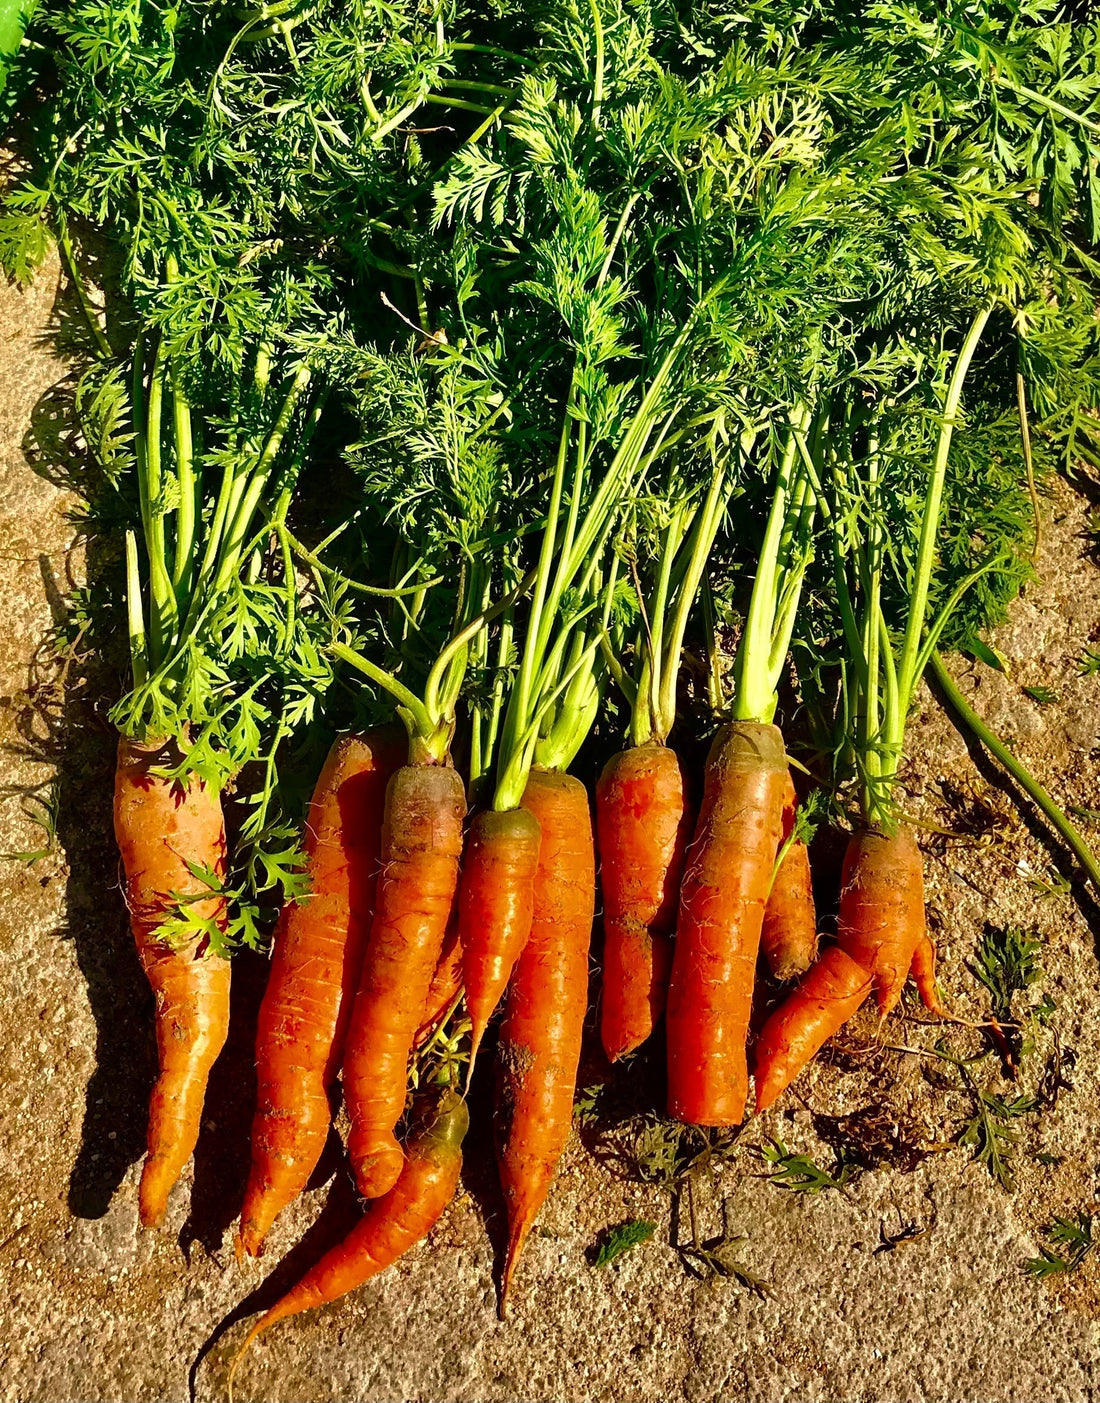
(725, 886)
(495, 898)
(881, 919)
(160, 828)
(540, 1041)
(923, 970)
(643, 826)
(421, 845)
(789, 933)
(823, 1002)
(393, 1223)
(317, 954)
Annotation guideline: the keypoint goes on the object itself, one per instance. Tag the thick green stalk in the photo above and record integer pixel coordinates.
(754, 684)
(1023, 778)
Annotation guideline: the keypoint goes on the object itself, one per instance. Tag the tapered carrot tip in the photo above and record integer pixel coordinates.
(249, 1241)
(279, 1311)
(157, 1178)
(377, 1161)
(511, 1261)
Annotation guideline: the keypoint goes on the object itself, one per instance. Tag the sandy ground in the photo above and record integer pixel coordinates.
(91, 1307)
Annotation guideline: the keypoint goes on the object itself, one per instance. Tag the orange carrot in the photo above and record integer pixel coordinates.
(923, 970)
(881, 918)
(643, 825)
(160, 828)
(393, 1223)
(421, 846)
(725, 887)
(825, 999)
(495, 898)
(445, 987)
(789, 934)
(317, 954)
(540, 1041)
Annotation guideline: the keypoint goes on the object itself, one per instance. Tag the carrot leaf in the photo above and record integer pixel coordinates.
(621, 1239)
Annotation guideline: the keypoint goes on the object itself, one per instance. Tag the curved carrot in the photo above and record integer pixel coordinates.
(495, 898)
(825, 999)
(789, 934)
(421, 846)
(729, 870)
(161, 827)
(540, 1040)
(881, 919)
(642, 825)
(317, 954)
(393, 1223)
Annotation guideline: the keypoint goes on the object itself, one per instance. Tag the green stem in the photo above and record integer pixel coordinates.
(162, 596)
(908, 675)
(401, 694)
(754, 685)
(190, 495)
(135, 621)
(598, 69)
(64, 244)
(229, 561)
(1005, 757)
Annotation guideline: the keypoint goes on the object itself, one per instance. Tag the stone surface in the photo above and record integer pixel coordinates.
(91, 1307)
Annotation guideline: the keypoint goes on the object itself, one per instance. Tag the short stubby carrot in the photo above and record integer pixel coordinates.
(923, 970)
(643, 823)
(317, 954)
(881, 918)
(495, 897)
(540, 1040)
(392, 1224)
(725, 886)
(789, 934)
(827, 997)
(161, 827)
(421, 847)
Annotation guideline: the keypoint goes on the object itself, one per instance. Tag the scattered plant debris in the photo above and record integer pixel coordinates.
(616, 1241)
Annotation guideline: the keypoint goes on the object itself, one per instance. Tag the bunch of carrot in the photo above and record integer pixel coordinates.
(650, 357)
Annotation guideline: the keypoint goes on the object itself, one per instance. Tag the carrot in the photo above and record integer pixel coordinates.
(643, 826)
(789, 934)
(540, 1041)
(445, 987)
(825, 999)
(318, 951)
(394, 1223)
(161, 827)
(725, 887)
(495, 899)
(881, 918)
(923, 970)
(421, 846)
